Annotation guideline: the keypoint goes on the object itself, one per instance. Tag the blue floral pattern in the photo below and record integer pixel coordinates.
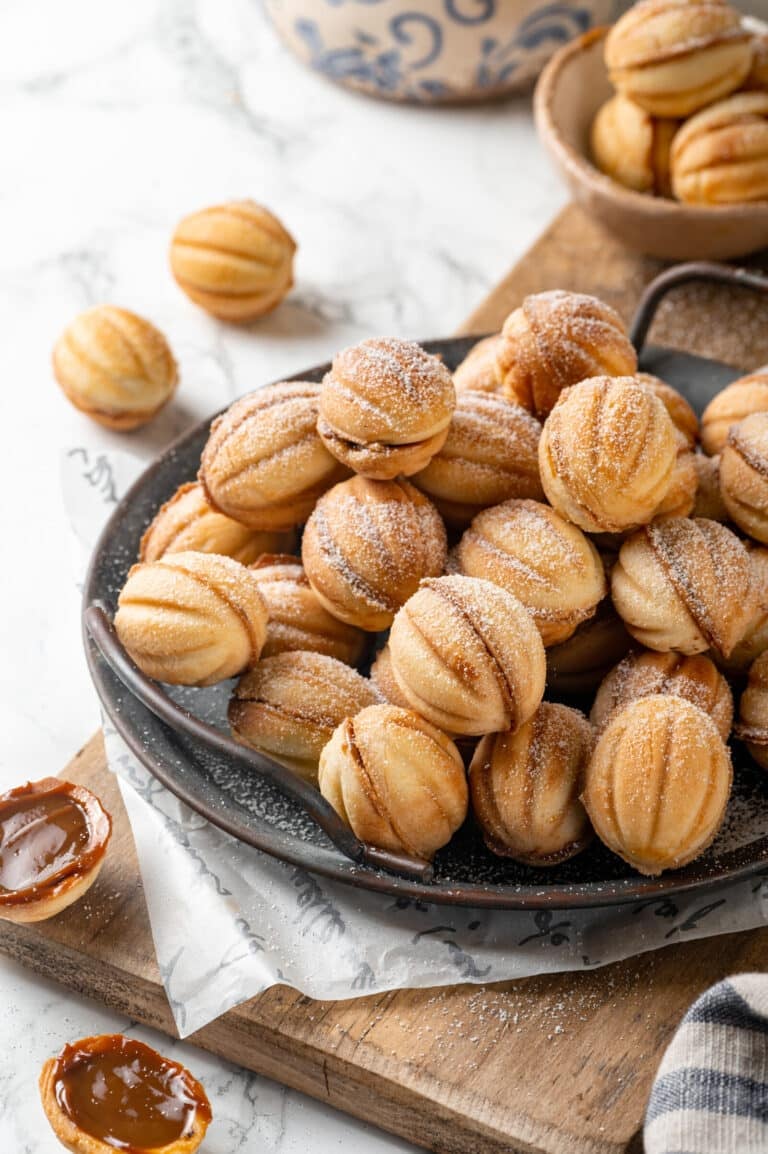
(392, 64)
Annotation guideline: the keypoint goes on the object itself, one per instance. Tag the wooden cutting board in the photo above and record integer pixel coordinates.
(554, 1065)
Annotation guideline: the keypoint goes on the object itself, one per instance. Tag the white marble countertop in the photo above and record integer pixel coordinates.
(115, 121)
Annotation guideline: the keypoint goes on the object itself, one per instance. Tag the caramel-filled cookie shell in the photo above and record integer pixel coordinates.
(477, 371)
(633, 147)
(753, 712)
(720, 156)
(658, 782)
(577, 666)
(525, 787)
(467, 655)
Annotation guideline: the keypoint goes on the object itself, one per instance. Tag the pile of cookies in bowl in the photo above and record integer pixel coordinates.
(417, 576)
(689, 117)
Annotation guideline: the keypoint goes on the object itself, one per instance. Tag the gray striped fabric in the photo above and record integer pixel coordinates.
(711, 1091)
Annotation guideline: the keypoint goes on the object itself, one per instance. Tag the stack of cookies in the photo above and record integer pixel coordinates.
(542, 521)
(690, 115)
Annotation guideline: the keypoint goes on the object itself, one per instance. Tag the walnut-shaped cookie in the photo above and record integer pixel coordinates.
(753, 712)
(709, 501)
(673, 57)
(367, 546)
(732, 404)
(490, 455)
(680, 410)
(467, 656)
(686, 584)
(744, 475)
(525, 787)
(720, 156)
(633, 147)
(577, 666)
(234, 260)
(607, 454)
(396, 780)
(644, 672)
(555, 339)
(264, 463)
(110, 1092)
(755, 640)
(658, 782)
(192, 618)
(543, 560)
(115, 367)
(297, 618)
(385, 407)
(478, 369)
(187, 523)
(288, 706)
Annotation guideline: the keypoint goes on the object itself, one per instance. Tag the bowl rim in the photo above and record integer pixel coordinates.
(582, 169)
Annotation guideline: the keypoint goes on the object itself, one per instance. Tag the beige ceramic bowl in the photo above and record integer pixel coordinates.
(570, 90)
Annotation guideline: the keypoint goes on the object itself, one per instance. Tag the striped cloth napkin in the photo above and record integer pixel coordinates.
(711, 1092)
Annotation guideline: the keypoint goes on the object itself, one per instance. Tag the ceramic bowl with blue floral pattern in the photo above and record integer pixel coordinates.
(432, 51)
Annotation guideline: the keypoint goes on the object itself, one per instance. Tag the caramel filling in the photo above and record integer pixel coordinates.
(127, 1095)
(42, 837)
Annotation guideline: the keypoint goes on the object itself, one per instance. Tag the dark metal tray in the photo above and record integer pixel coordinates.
(180, 735)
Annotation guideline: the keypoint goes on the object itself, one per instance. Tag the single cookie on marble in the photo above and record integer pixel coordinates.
(234, 260)
(115, 366)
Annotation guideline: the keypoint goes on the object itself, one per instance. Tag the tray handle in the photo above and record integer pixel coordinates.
(699, 270)
(157, 701)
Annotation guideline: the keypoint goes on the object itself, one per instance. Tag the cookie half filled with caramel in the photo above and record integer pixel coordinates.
(110, 1093)
(53, 839)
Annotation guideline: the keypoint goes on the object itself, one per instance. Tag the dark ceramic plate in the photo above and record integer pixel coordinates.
(256, 810)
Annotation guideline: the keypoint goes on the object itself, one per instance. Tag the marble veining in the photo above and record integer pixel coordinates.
(115, 121)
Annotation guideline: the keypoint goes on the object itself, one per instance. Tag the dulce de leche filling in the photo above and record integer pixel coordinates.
(49, 831)
(127, 1095)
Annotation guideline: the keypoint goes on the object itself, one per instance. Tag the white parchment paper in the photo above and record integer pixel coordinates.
(229, 921)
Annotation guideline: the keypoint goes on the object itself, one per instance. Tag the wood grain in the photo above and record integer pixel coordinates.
(553, 1065)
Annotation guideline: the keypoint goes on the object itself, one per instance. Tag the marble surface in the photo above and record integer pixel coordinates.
(115, 121)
